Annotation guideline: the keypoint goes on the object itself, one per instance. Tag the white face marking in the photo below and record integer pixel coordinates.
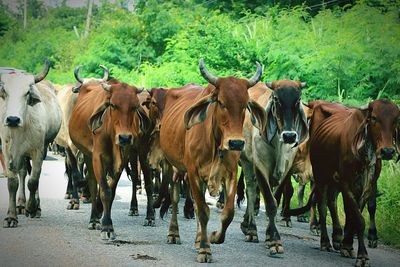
(15, 95)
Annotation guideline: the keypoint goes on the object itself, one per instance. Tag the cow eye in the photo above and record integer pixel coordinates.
(221, 104)
(113, 106)
(373, 119)
(3, 93)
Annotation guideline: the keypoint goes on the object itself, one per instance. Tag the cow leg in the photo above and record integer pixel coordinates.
(188, 209)
(372, 232)
(68, 192)
(203, 215)
(148, 181)
(272, 240)
(248, 225)
(337, 234)
(75, 177)
(157, 182)
(21, 192)
(358, 225)
(133, 210)
(300, 197)
(97, 207)
(218, 237)
(33, 205)
(173, 233)
(321, 194)
(11, 220)
(287, 196)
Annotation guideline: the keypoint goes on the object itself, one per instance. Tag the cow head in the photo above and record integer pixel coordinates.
(18, 92)
(154, 102)
(285, 114)
(380, 127)
(231, 100)
(81, 81)
(124, 111)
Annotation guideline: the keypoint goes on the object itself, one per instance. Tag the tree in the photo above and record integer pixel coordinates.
(88, 18)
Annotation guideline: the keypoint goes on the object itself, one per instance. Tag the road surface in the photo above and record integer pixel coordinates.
(61, 238)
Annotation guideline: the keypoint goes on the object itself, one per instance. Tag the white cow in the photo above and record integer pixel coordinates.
(30, 118)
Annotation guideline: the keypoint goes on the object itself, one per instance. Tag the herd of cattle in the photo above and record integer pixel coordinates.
(202, 133)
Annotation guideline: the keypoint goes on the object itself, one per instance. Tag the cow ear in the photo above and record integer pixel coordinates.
(144, 120)
(272, 126)
(33, 96)
(198, 112)
(302, 125)
(360, 139)
(258, 117)
(96, 120)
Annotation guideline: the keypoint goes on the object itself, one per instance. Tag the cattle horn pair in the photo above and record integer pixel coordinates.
(79, 79)
(40, 76)
(213, 79)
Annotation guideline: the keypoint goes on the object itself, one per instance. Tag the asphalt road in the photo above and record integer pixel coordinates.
(61, 238)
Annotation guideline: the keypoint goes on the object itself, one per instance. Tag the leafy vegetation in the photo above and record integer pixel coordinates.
(347, 53)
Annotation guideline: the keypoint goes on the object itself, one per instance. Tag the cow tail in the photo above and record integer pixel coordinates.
(302, 210)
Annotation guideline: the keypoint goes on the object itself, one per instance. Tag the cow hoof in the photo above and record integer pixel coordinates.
(108, 235)
(302, 219)
(188, 214)
(220, 205)
(244, 227)
(38, 213)
(94, 226)
(149, 222)
(286, 222)
(362, 262)
(68, 196)
(251, 238)
(10, 222)
(204, 256)
(373, 243)
(277, 249)
(133, 212)
(73, 205)
(326, 247)
(20, 209)
(174, 239)
(85, 200)
(347, 252)
(314, 230)
(336, 245)
(216, 238)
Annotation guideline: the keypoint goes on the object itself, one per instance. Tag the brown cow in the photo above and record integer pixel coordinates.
(346, 149)
(106, 122)
(202, 133)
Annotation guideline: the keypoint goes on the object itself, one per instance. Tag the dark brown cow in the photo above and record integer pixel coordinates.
(106, 122)
(346, 149)
(202, 133)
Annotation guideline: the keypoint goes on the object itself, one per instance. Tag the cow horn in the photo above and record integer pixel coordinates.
(303, 84)
(139, 90)
(305, 104)
(364, 107)
(206, 74)
(40, 76)
(106, 86)
(106, 72)
(76, 74)
(149, 90)
(269, 84)
(257, 76)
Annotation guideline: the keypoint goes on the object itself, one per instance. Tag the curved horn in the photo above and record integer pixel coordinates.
(76, 74)
(106, 72)
(149, 90)
(106, 87)
(364, 107)
(303, 84)
(139, 90)
(305, 104)
(257, 76)
(40, 76)
(268, 84)
(206, 74)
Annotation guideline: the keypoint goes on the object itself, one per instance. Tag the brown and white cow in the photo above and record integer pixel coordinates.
(346, 149)
(270, 152)
(202, 133)
(30, 120)
(105, 124)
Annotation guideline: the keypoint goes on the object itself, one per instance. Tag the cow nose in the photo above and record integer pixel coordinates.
(236, 145)
(387, 153)
(13, 121)
(289, 137)
(124, 139)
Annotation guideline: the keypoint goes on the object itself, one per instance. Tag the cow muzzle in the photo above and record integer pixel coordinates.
(387, 153)
(124, 139)
(13, 121)
(236, 144)
(289, 137)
